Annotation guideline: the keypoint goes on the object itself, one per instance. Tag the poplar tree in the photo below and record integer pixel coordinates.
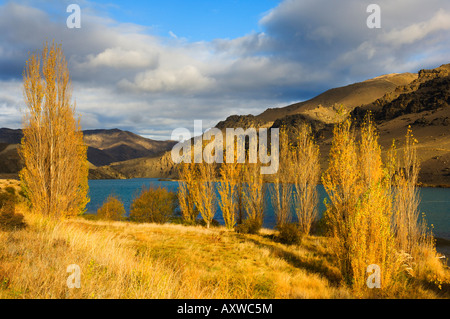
(55, 169)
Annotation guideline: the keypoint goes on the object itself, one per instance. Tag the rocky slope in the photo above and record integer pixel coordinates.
(430, 91)
(397, 101)
(323, 107)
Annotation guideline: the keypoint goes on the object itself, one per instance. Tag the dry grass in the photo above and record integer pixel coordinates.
(129, 260)
(14, 183)
(126, 260)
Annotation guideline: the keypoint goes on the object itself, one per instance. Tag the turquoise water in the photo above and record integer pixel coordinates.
(435, 202)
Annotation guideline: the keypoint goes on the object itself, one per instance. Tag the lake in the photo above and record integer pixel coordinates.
(435, 202)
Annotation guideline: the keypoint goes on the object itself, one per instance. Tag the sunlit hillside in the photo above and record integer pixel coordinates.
(126, 260)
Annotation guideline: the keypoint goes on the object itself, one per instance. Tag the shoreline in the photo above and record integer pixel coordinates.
(443, 247)
(15, 176)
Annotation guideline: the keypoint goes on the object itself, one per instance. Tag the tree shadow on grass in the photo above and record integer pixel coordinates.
(313, 265)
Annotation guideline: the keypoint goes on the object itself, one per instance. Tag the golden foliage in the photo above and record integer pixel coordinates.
(359, 214)
(227, 188)
(52, 149)
(405, 173)
(305, 173)
(253, 194)
(153, 205)
(112, 209)
(205, 195)
(281, 191)
(413, 238)
(186, 189)
(196, 191)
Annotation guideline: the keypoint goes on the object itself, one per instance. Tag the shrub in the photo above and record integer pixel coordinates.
(177, 220)
(9, 220)
(153, 205)
(290, 234)
(24, 194)
(7, 197)
(11, 190)
(90, 216)
(249, 226)
(112, 209)
(213, 223)
(320, 227)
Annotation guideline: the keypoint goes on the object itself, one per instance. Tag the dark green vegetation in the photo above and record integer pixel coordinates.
(9, 219)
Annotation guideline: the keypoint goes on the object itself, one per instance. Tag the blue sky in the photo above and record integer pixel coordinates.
(195, 20)
(152, 66)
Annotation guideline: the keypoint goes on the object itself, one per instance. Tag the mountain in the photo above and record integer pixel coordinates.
(420, 100)
(148, 167)
(108, 146)
(9, 158)
(429, 91)
(104, 147)
(323, 106)
(10, 136)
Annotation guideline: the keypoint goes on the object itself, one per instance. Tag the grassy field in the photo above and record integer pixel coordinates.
(124, 260)
(128, 260)
(131, 260)
(14, 183)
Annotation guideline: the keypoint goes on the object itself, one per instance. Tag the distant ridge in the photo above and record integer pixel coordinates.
(115, 145)
(10, 136)
(421, 100)
(105, 146)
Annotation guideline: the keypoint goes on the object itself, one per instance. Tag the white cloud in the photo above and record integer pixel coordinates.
(418, 31)
(126, 77)
(173, 35)
(119, 58)
(188, 79)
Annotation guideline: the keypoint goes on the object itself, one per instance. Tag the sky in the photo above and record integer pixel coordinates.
(152, 66)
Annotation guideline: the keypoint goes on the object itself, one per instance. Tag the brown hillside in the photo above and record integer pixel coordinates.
(104, 148)
(427, 111)
(322, 106)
